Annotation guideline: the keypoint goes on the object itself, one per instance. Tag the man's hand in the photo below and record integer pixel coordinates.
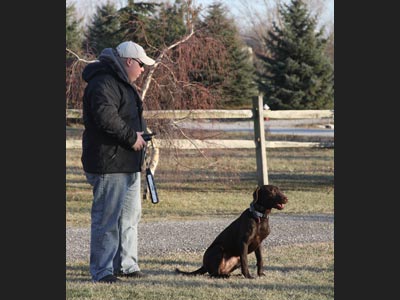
(140, 143)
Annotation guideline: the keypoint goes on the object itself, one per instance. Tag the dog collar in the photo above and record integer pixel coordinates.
(257, 214)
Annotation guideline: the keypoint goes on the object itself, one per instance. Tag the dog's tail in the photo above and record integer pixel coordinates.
(202, 270)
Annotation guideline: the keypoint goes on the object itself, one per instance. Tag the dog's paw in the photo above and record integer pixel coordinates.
(261, 274)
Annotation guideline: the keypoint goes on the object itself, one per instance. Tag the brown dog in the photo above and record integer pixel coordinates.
(244, 235)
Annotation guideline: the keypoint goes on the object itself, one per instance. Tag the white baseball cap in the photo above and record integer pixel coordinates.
(130, 49)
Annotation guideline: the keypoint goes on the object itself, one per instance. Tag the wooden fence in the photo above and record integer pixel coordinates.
(257, 115)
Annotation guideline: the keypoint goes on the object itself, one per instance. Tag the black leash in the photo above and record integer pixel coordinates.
(149, 176)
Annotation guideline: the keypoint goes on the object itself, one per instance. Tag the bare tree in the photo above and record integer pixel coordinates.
(171, 82)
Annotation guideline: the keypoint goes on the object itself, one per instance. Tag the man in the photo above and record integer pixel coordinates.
(112, 158)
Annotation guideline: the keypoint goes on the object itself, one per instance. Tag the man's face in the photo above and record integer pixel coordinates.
(134, 68)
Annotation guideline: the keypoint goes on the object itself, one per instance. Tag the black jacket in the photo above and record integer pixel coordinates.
(112, 114)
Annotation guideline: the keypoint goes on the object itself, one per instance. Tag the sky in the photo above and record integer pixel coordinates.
(236, 8)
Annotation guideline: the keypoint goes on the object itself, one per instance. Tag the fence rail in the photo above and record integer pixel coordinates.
(219, 144)
(222, 114)
(257, 115)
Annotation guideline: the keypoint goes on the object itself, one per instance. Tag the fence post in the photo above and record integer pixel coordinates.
(259, 139)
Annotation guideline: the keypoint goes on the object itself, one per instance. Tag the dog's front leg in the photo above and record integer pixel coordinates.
(259, 261)
(243, 260)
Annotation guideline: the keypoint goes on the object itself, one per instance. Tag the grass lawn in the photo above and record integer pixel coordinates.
(194, 184)
(210, 183)
(292, 272)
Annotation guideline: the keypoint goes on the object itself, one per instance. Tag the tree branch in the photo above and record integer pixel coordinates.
(80, 59)
(158, 61)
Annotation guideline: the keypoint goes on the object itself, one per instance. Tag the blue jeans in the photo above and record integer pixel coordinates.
(115, 214)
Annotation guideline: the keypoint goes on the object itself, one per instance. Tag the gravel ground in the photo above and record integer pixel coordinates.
(166, 237)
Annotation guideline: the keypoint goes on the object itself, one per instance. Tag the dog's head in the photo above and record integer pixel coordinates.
(268, 197)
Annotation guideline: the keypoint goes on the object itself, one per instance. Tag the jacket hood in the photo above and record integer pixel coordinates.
(108, 62)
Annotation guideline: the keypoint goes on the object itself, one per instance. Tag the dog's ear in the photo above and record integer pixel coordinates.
(256, 194)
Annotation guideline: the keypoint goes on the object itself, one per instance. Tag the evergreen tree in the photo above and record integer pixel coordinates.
(237, 80)
(330, 48)
(135, 21)
(298, 74)
(170, 26)
(102, 32)
(73, 37)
